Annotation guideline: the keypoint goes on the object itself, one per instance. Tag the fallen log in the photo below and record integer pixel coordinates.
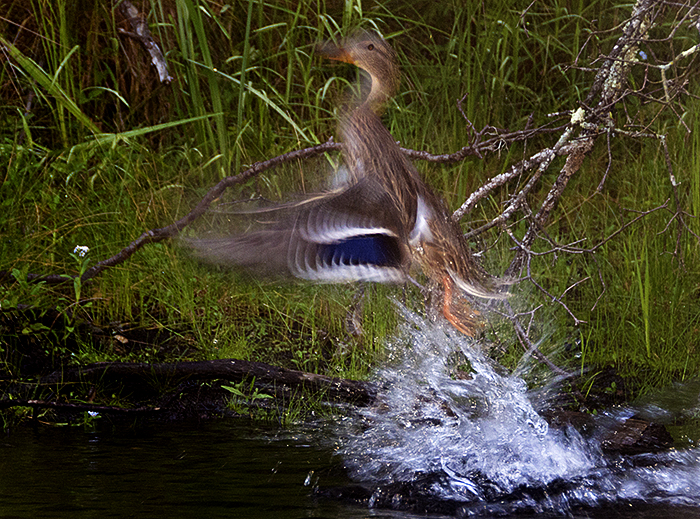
(67, 406)
(235, 370)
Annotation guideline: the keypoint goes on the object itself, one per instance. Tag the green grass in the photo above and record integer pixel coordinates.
(106, 153)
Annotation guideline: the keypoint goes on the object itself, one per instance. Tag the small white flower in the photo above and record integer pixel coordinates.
(81, 250)
(93, 413)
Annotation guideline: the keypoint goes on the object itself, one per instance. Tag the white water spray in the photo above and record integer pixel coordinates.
(484, 444)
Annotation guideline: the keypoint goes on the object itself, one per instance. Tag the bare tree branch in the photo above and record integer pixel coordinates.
(142, 34)
(586, 123)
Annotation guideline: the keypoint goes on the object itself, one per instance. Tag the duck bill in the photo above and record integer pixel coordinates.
(332, 51)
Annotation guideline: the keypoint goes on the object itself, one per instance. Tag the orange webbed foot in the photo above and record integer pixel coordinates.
(463, 317)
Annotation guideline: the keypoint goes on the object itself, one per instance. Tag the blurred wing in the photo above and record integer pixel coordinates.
(351, 235)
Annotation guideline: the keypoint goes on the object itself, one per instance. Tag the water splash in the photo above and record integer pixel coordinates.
(440, 441)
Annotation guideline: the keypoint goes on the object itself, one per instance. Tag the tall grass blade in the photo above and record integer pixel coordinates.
(48, 83)
(102, 139)
(262, 95)
(241, 84)
(644, 284)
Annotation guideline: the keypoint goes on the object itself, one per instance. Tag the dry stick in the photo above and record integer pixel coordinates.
(608, 87)
(541, 159)
(599, 189)
(528, 254)
(156, 235)
(572, 165)
(478, 147)
(142, 34)
(499, 180)
(612, 74)
(576, 250)
(530, 278)
(664, 68)
(545, 158)
(613, 71)
(530, 348)
(608, 84)
(607, 239)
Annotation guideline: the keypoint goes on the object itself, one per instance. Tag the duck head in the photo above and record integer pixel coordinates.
(372, 54)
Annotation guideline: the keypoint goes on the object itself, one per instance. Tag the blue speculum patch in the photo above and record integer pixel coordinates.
(375, 249)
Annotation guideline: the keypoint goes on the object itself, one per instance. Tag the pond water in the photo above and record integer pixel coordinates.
(455, 446)
(214, 469)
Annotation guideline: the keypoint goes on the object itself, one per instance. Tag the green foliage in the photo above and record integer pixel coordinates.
(244, 396)
(94, 151)
(247, 399)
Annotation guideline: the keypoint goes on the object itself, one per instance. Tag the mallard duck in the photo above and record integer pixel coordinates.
(377, 222)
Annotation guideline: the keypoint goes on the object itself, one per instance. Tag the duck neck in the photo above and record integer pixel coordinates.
(365, 136)
(370, 150)
(377, 97)
(376, 92)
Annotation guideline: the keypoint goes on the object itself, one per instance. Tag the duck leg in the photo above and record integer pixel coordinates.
(462, 316)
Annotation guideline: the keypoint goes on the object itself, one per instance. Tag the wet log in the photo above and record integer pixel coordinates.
(67, 406)
(633, 435)
(235, 370)
(637, 436)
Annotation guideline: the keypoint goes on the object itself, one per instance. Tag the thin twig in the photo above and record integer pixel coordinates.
(530, 348)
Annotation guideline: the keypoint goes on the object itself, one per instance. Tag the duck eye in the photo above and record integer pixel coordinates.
(370, 46)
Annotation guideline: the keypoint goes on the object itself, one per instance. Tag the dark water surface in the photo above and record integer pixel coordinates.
(466, 446)
(216, 469)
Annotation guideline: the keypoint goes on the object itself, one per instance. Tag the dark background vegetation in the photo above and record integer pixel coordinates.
(95, 150)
